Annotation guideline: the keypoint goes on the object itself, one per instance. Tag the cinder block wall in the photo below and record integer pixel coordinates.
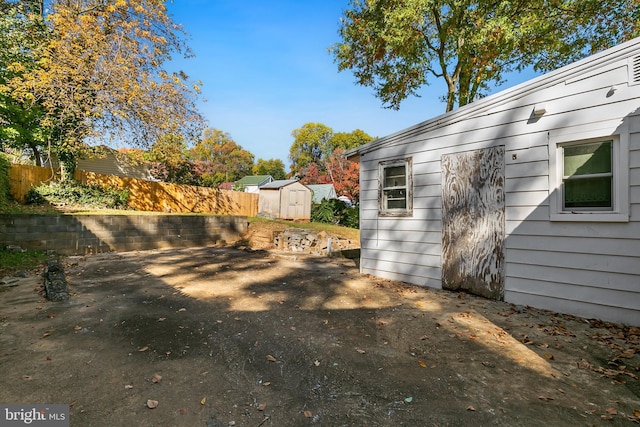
(85, 234)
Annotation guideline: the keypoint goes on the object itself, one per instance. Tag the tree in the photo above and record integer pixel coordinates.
(22, 36)
(397, 46)
(311, 142)
(220, 159)
(169, 161)
(315, 143)
(100, 76)
(344, 174)
(273, 167)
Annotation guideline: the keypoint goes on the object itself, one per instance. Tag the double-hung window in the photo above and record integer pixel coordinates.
(589, 178)
(395, 188)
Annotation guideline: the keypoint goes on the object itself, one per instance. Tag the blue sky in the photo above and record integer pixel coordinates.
(266, 71)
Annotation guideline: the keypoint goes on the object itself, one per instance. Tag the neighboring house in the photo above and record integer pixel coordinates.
(110, 163)
(531, 195)
(252, 184)
(322, 192)
(285, 199)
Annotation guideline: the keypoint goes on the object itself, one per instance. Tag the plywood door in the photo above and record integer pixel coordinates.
(473, 222)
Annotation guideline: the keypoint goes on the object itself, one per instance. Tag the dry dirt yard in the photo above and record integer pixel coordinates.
(222, 336)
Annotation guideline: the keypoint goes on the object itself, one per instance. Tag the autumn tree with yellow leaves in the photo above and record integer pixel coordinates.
(101, 74)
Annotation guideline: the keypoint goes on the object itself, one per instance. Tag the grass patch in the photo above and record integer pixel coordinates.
(12, 262)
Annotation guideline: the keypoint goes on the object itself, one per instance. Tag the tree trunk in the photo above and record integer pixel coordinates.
(36, 155)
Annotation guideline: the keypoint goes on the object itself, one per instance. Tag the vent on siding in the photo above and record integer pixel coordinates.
(634, 70)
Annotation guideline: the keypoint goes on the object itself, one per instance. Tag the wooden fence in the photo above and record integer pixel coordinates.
(147, 195)
(23, 177)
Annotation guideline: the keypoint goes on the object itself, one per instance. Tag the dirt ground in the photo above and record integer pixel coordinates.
(222, 336)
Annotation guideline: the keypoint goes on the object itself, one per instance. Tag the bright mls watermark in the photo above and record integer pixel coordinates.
(34, 415)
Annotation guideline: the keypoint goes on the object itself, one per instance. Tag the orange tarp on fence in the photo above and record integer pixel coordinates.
(146, 195)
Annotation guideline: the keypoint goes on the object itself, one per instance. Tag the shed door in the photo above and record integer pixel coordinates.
(295, 210)
(473, 222)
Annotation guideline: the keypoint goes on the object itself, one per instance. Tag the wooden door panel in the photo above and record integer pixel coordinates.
(473, 222)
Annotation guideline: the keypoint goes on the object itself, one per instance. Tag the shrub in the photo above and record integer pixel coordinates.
(4, 180)
(75, 194)
(334, 211)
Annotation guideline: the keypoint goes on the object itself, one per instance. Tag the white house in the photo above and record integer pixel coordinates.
(252, 183)
(531, 195)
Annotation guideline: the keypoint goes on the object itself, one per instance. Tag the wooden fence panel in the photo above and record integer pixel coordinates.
(166, 197)
(144, 195)
(23, 177)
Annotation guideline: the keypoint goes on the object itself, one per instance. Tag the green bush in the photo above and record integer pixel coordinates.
(71, 193)
(4, 180)
(334, 211)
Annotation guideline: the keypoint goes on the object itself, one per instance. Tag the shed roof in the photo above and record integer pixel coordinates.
(279, 184)
(253, 179)
(322, 191)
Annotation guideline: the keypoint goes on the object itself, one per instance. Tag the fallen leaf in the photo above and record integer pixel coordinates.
(421, 363)
(128, 387)
(204, 399)
(46, 334)
(151, 404)
(49, 358)
(408, 399)
(636, 413)
(27, 377)
(183, 411)
(471, 408)
(262, 407)
(182, 309)
(162, 319)
(156, 378)
(51, 315)
(548, 356)
(424, 337)
(266, 383)
(612, 411)
(316, 363)
(360, 351)
(270, 358)
(77, 328)
(606, 417)
(545, 398)
(145, 348)
(308, 414)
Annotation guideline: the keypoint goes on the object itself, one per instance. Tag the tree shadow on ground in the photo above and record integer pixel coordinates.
(256, 338)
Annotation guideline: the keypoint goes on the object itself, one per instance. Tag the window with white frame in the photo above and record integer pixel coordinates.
(590, 179)
(395, 188)
(587, 176)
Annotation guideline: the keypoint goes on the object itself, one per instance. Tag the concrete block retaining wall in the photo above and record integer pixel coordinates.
(84, 234)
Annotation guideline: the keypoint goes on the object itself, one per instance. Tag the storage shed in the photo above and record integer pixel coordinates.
(285, 199)
(531, 195)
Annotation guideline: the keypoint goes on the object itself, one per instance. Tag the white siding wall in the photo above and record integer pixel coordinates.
(590, 269)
